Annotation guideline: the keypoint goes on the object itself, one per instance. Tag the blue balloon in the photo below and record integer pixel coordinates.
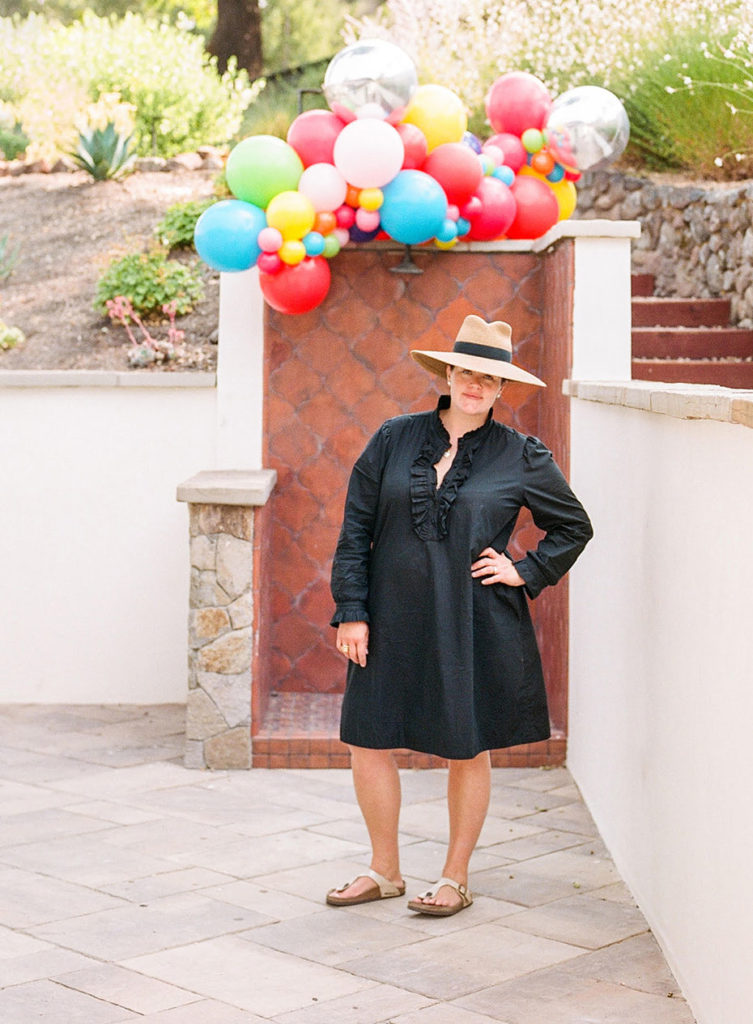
(357, 235)
(225, 234)
(505, 174)
(557, 173)
(414, 207)
(313, 243)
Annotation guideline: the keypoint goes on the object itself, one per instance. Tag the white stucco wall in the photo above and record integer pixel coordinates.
(93, 544)
(661, 681)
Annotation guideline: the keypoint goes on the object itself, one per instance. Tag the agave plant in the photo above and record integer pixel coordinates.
(102, 152)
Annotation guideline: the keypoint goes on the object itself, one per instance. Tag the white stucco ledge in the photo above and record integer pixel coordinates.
(228, 487)
(683, 401)
(106, 379)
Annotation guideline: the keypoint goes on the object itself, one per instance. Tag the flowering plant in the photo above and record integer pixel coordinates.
(147, 349)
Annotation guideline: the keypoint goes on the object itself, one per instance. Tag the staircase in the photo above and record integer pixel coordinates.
(687, 341)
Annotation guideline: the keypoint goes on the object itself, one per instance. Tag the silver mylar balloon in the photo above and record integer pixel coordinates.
(371, 78)
(587, 128)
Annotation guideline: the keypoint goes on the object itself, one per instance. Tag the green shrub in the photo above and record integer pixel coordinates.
(162, 70)
(149, 280)
(8, 257)
(10, 336)
(175, 230)
(13, 142)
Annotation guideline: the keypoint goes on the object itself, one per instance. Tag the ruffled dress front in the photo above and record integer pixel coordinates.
(453, 666)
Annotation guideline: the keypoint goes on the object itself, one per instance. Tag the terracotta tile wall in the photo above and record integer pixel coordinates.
(334, 375)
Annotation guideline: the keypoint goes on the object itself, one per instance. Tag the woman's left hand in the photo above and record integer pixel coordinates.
(494, 567)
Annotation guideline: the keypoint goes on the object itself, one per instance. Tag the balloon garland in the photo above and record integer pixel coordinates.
(393, 159)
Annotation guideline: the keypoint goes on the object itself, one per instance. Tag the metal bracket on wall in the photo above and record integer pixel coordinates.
(406, 264)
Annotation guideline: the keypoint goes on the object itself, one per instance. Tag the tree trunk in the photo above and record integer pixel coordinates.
(238, 34)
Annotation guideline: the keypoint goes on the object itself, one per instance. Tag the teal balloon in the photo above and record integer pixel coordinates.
(260, 167)
(414, 207)
(225, 235)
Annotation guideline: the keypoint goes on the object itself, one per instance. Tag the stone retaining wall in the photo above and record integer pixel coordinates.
(697, 240)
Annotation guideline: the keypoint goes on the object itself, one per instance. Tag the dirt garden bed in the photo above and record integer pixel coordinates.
(67, 228)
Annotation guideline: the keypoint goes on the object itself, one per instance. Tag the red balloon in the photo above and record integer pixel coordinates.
(512, 147)
(516, 101)
(537, 208)
(415, 145)
(297, 288)
(497, 211)
(457, 169)
(312, 135)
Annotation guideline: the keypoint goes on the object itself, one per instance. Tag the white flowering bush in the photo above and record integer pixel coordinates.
(50, 73)
(646, 51)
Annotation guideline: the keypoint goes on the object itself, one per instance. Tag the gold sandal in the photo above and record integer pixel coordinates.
(384, 889)
(466, 898)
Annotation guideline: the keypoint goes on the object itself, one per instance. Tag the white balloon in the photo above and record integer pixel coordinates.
(324, 185)
(369, 153)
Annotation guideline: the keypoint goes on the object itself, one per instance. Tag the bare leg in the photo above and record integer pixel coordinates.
(468, 789)
(377, 784)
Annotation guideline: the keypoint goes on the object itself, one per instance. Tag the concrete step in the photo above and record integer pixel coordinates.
(641, 284)
(729, 373)
(692, 343)
(660, 312)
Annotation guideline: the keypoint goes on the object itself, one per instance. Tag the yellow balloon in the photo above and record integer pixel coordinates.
(439, 113)
(566, 195)
(370, 198)
(292, 213)
(446, 245)
(292, 252)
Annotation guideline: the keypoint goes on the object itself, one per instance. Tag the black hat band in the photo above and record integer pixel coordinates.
(471, 348)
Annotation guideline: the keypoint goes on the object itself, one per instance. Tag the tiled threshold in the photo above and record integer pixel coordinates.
(300, 730)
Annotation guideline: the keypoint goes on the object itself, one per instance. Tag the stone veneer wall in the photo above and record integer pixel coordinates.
(221, 615)
(697, 240)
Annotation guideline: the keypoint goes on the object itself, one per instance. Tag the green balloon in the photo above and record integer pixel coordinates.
(260, 167)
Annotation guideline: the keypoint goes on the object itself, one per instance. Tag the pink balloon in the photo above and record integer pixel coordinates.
(324, 186)
(312, 135)
(512, 149)
(269, 263)
(269, 239)
(367, 220)
(368, 153)
(537, 208)
(516, 101)
(497, 211)
(416, 146)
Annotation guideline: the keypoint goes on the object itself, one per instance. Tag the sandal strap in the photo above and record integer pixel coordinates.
(462, 890)
(386, 887)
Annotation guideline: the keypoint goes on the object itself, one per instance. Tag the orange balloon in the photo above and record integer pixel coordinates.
(352, 196)
(325, 223)
(543, 162)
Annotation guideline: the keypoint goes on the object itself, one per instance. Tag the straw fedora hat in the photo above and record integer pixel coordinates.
(482, 347)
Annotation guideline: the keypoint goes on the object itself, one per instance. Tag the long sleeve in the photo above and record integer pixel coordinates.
(557, 511)
(350, 568)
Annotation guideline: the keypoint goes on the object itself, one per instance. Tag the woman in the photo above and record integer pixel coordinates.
(431, 611)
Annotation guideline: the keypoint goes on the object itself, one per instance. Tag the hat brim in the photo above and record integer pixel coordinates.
(437, 362)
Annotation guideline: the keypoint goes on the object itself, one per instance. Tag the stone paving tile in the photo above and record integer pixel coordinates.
(424, 859)
(441, 1013)
(516, 802)
(20, 798)
(584, 920)
(154, 887)
(27, 899)
(557, 997)
(452, 965)
(542, 779)
(49, 1003)
(428, 820)
(236, 971)
(331, 938)
(83, 860)
(275, 904)
(636, 963)
(132, 930)
(46, 824)
(47, 963)
(571, 817)
(125, 988)
(535, 845)
(204, 1011)
(115, 814)
(373, 1005)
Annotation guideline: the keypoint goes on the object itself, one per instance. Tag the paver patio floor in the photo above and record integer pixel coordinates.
(134, 889)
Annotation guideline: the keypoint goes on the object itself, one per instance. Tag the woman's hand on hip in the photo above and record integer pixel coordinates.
(353, 641)
(495, 567)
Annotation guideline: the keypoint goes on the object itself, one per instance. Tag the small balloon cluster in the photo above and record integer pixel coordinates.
(392, 159)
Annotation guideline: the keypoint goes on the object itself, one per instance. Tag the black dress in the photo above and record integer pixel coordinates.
(453, 666)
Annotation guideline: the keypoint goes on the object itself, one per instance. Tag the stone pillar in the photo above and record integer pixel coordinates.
(222, 509)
